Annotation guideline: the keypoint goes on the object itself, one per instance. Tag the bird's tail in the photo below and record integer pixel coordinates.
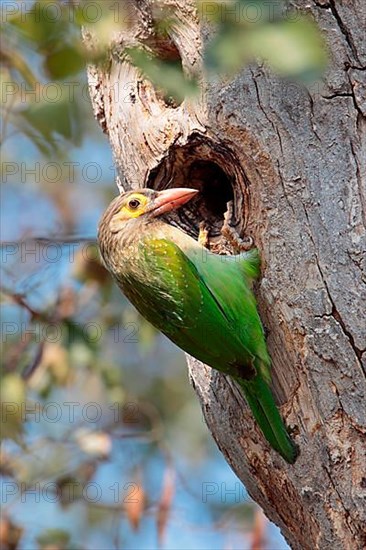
(261, 402)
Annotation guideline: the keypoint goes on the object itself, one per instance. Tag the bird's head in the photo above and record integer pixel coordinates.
(144, 205)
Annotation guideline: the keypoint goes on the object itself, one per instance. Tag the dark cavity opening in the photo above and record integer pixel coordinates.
(215, 172)
(215, 192)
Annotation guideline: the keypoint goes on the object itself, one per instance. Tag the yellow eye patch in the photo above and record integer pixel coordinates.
(134, 206)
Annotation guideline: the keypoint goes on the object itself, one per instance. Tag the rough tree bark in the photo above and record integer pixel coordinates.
(294, 161)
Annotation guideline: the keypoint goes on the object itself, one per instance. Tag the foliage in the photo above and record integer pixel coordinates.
(69, 337)
(92, 398)
(44, 47)
(288, 41)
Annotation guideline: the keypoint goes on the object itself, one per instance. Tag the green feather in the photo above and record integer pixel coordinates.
(261, 402)
(204, 303)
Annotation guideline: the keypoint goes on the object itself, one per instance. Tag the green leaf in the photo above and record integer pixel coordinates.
(14, 60)
(228, 52)
(63, 62)
(47, 120)
(13, 401)
(290, 47)
(44, 24)
(77, 334)
(166, 75)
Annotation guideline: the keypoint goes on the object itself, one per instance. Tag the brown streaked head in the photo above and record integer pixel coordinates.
(144, 205)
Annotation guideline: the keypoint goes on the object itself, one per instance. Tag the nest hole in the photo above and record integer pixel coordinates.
(215, 192)
(204, 168)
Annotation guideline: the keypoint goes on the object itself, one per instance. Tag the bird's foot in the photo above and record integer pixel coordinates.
(203, 236)
(234, 239)
(213, 246)
(232, 236)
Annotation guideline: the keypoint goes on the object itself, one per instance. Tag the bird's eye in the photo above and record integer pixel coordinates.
(134, 203)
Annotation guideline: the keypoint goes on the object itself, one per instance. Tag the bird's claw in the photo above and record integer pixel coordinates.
(231, 235)
(234, 243)
(203, 236)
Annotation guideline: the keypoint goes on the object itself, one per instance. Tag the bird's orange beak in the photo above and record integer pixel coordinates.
(170, 199)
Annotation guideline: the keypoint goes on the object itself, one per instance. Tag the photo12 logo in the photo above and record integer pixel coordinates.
(54, 492)
(222, 492)
(71, 412)
(52, 11)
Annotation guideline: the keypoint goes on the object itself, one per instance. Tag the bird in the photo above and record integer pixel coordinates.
(202, 301)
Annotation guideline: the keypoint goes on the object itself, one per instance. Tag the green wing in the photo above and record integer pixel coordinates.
(169, 290)
(205, 305)
(199, 305)
(229, 279)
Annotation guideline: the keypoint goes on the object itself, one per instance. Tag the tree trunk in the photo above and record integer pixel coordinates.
(294, 162)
